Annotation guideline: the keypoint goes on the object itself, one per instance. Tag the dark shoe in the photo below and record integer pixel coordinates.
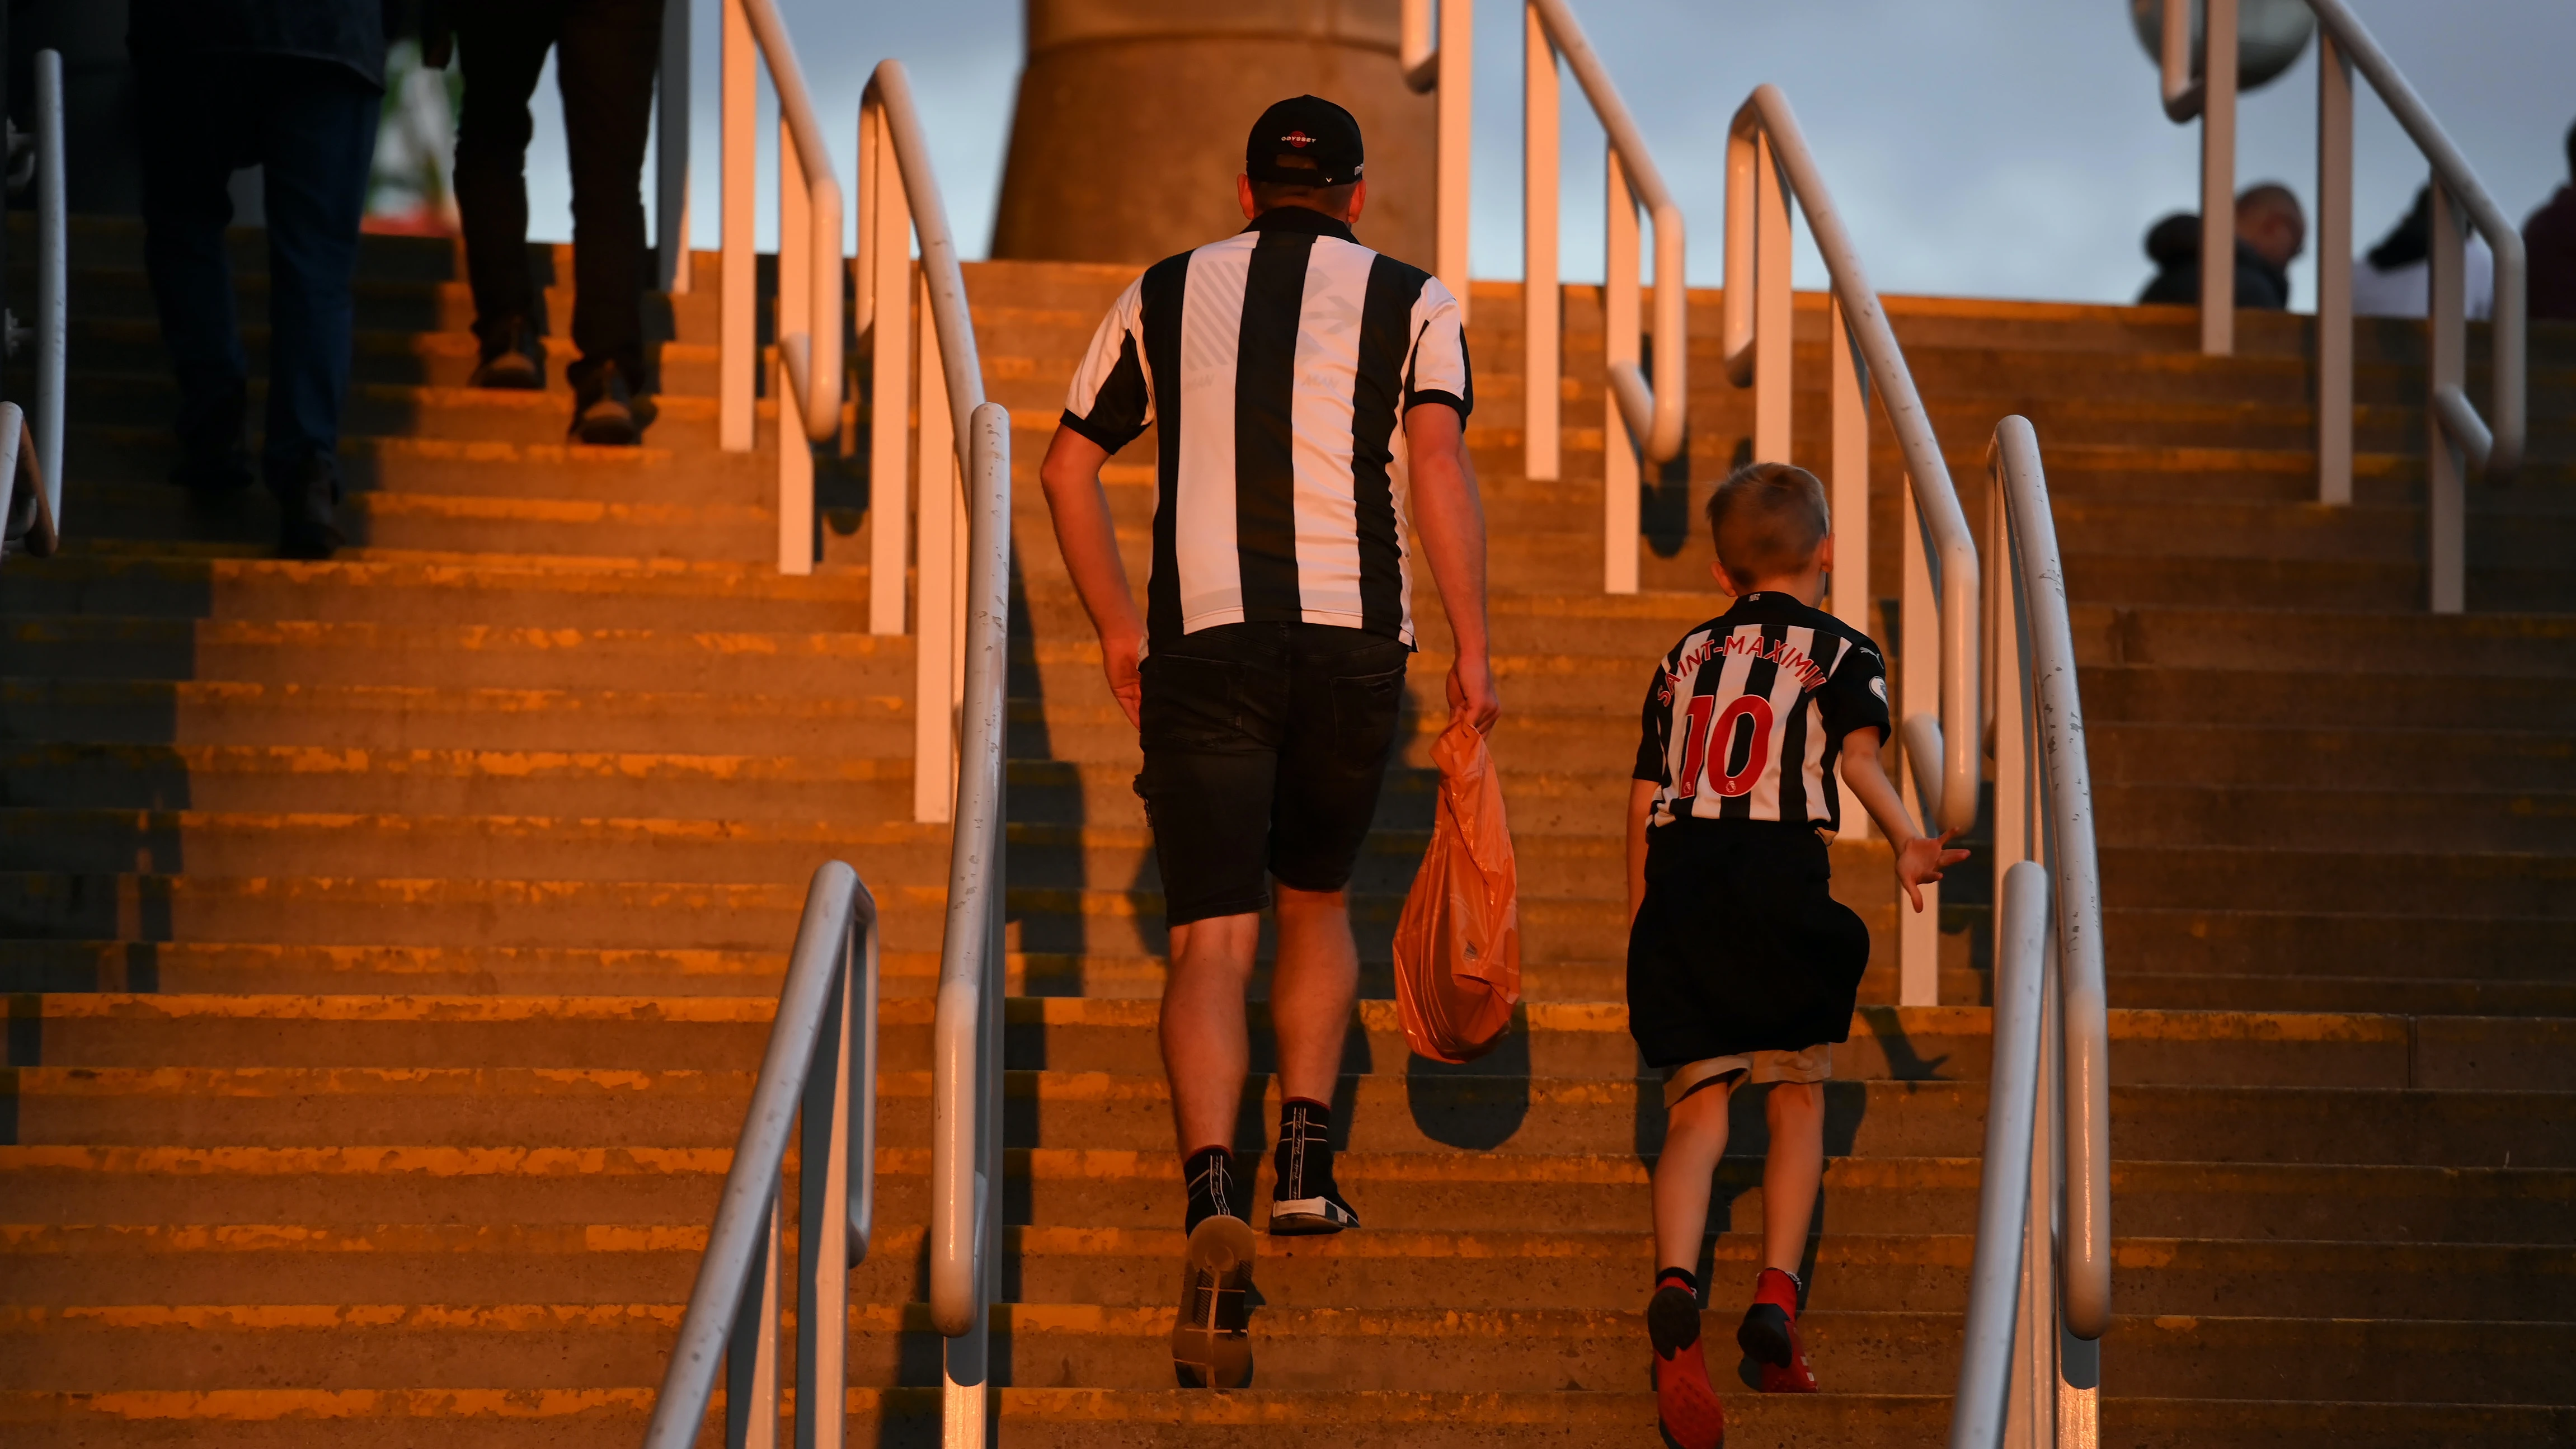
(512, 359)
(1303, 1200)
(307, 506)
(1687, 1410)
(608, 411)
(1774, 1360)
(1212, 1344)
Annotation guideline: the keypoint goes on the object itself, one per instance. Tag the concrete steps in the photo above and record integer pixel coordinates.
(391, 941)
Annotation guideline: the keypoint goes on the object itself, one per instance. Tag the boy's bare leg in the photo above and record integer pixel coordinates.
(1206, 1051)
(1793, 1172)
(1311, 991)
(1694, 1139)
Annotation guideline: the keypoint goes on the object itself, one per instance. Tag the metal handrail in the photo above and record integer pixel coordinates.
(1650, 415)
(899, 199)
(1768, 167)
(37, 535)
(2345, 44)
(1981, 1410)
(2047, 1173)
(34, 447)
(830, 995)
(809, 264)
(962, 659)
(812, 356)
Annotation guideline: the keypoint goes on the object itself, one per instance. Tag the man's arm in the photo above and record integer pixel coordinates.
(1089, 539)
(1641, 806)
(1919, 859)
(1451, 520)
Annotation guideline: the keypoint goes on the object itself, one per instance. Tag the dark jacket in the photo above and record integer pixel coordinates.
(345, 32)
(2549, 251)
(2173, 244)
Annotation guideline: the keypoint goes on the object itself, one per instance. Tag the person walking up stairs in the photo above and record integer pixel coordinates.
(390, 941)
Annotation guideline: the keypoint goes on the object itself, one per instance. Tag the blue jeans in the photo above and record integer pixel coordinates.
(311, 126)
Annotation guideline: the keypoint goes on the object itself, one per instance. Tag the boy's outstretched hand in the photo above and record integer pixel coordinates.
(1920, 861)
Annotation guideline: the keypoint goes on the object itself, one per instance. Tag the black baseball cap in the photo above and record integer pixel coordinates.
(1307, 129)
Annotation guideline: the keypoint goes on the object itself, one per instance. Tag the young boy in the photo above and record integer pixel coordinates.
(1741, 965)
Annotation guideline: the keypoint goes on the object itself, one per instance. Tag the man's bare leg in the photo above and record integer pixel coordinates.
(1206, 1050)
(1205, 1055)
(1311, 992)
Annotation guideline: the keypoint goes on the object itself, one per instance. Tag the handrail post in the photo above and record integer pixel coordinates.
(1848, 506)
(737, 323)
(1620, 346)
(1773, 346)
(885, 278)
(2445, 484)
(940, 589)
(795, 454)
(53, 319)
(823, 1224)
(1918, 693)
(2334, 271)
(751, 1351)
(1457, 92)
(1542, 303)
(2218, 179)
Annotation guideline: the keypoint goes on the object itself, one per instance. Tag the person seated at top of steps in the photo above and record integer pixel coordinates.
(1304, 387)
(2271, 231)
(294, 89)
(607, 52)
(1742, 967)
(2549, 245)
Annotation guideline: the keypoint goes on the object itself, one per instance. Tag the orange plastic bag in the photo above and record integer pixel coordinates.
(1458, 944)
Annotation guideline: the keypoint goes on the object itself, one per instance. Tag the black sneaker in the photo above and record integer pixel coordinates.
(608, 411)
(1303, 1200)
(1212, 1342)
(512, 359)
(307, 504)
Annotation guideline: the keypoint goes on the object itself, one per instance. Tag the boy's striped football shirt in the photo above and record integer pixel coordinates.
(1746, 716)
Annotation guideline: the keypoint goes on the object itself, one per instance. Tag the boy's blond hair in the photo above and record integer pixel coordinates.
(1766, 520)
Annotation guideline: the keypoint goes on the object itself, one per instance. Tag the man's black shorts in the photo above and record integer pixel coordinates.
(1265, 745)
(1740, 945)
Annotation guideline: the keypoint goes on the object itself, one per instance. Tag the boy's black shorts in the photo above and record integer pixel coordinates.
(1265, 747)
(1740, 945)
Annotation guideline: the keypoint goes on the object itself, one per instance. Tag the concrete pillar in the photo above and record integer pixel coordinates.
(1132, 116)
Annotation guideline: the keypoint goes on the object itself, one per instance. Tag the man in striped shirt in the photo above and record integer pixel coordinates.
(1304, 391)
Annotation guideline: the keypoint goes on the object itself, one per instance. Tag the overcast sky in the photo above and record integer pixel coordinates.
(2009, 148)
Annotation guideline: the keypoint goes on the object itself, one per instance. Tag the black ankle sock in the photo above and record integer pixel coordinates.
(1210, 1175)
(1304, 1158)
(1681, 1276)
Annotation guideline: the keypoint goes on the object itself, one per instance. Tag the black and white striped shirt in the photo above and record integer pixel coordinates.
(1746, 716)
(1278, 365)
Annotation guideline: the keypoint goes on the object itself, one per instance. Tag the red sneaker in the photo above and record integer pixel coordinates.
(1769, 1337)
(1686, 1406)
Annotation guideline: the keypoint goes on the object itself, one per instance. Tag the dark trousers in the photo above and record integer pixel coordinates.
(608, 51)
(311, 126)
